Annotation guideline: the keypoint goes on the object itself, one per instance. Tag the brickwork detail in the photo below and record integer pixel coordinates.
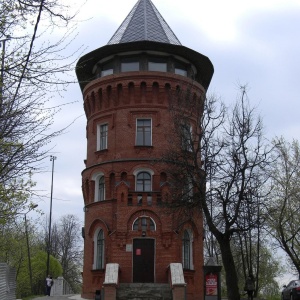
(118, 101)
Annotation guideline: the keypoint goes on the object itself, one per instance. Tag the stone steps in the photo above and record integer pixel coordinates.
(144, 291)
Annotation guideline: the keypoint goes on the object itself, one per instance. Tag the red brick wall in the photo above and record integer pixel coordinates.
(118, 100)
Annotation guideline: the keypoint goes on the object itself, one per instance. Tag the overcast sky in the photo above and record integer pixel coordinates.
(251, 42)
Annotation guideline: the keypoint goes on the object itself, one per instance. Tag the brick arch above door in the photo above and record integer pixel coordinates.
(144, 213)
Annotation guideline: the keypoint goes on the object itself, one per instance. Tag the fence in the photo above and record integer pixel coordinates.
(7, 282)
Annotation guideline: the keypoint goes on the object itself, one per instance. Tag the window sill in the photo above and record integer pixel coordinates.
(98, 270)
(189, 272)
(101, 151)
(143, 146)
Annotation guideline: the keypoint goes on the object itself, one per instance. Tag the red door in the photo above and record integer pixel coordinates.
(143, 260)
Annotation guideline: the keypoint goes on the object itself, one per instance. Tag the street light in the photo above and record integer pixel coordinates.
(52, 158)
(27, 242)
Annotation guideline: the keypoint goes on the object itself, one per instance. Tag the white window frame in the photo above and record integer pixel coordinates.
(191, 240)
(140, 170)
(96, 177)
(136, 132)
(100, 144)
(96, 256)
(138, 220)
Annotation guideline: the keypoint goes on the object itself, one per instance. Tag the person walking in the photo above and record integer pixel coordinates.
(249, 286)
(49, 283)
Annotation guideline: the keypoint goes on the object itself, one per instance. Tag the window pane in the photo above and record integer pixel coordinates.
(101, 190)
(139, 186)
(147, 185)
(103, 136)
(180, 69)
(181, 72)
(152, 225)
(186, 250)
(186, 135)
(143, 182)
(143, 223)
(130, 66)
(136, 225)
(139, 137)
(107, 68)
(143, 134)
(107, 72)
(100, 250)
(157, 66)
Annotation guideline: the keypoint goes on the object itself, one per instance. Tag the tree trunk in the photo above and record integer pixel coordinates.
(230, 271)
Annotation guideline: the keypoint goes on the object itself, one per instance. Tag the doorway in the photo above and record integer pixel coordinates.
(143, 260)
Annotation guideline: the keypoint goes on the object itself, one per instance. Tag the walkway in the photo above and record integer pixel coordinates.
(65, 297)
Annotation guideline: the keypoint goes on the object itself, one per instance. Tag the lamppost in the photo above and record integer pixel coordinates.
(28, 248)
(52, 158)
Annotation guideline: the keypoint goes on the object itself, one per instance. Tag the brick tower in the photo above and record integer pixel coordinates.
(125, 86)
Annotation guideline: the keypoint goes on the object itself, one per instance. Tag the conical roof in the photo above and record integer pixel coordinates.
(144, 29)
(144, 23)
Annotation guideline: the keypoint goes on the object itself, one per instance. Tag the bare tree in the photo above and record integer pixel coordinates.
(219, 160)
(265, 263)
(33, 67)
(67, 248)
(284, 219)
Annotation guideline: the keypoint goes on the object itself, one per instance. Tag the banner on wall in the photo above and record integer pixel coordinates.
(211, 283)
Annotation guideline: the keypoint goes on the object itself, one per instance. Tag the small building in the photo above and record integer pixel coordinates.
(126, 85)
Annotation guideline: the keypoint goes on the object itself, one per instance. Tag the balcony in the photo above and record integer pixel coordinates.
(144, 199)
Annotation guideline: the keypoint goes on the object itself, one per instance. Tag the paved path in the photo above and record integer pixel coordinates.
(66, 297)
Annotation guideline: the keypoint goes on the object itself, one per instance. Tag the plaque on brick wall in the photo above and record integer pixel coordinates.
(128, 247)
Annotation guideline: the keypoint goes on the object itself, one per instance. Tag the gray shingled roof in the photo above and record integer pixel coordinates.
(144, 23)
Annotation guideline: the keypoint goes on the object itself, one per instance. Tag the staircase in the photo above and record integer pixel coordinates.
(144, 291)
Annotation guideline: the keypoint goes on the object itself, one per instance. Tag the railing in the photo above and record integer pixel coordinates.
(7, 282)
(144, 199)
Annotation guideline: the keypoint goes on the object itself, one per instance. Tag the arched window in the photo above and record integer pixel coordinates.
(99, 179)
(143, 182)
(99, 250)
(144, 223)
(187, 254)
(101, 189)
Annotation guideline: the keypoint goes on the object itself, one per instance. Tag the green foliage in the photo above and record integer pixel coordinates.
(14, 251)
(257, 258)
(39, 266)
(283, 213)
(14, 198)
(273, 297)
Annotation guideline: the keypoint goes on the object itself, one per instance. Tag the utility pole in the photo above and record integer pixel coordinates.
(52, 158)
(28, 247)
